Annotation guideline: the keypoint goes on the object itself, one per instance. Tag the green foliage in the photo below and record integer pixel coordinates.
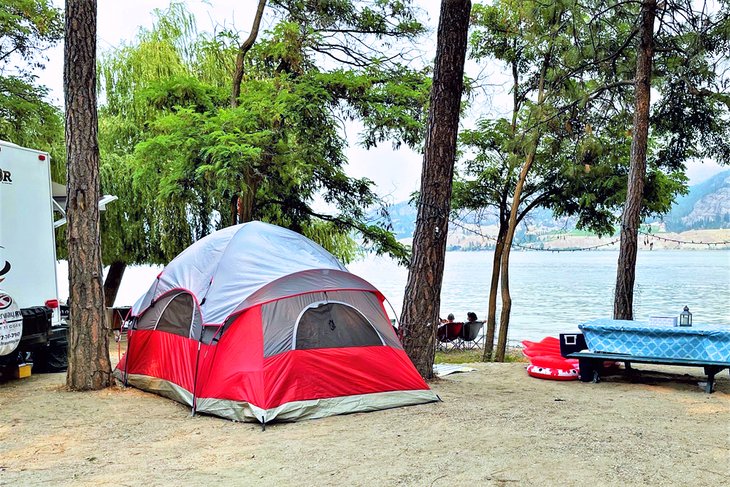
(27, 119)
(691, 117)
(27, 28)
(183, 158)
(581, 127)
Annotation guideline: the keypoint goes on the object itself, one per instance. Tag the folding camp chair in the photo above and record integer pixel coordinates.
(449, 334)
(470, 335)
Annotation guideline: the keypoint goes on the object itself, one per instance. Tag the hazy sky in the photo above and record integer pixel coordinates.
(396, 173)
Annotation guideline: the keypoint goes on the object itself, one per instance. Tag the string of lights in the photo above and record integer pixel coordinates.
(456, 222)
(592, 247)
(686, 242)
(570, 249)
(530, 247)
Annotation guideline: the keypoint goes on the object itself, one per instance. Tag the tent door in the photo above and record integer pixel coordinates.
(333, 324)
(177, 315)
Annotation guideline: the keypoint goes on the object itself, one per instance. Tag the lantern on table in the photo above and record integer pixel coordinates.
(685, 317)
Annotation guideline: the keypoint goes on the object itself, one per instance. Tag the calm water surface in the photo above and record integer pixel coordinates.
(554, 291)
(551, 291)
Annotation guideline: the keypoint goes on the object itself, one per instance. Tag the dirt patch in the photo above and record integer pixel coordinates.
(495, 426)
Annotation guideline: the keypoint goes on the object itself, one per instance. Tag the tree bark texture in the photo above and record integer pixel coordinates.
(89, 367)
(631, 219)
(422, 298)
(112, 282)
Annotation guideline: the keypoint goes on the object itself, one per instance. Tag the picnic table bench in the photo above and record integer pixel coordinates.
(591, 365)
(632, 342)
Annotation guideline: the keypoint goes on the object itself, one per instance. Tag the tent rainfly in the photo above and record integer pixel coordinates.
(258, 323)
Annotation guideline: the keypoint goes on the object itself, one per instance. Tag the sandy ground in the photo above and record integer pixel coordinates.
(495, 426)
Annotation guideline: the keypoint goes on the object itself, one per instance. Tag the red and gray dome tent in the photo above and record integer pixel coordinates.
(256, 322)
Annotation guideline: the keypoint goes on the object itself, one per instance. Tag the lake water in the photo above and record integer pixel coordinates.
(551, 291)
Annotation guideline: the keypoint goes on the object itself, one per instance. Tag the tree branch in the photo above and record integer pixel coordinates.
(242, 51)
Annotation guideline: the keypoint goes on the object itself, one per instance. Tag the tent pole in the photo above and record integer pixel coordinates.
(130, 332)
(195, 377)
(397, 320)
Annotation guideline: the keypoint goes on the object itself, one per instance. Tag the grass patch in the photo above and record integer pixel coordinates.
(469, 356)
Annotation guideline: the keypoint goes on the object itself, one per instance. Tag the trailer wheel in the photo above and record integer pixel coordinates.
(53, 358)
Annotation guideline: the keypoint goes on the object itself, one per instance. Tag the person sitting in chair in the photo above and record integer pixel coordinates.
(449, 319)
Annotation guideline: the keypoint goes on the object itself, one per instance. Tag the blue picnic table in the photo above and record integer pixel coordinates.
(699, 345)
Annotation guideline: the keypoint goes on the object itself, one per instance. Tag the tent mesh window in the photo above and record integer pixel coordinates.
(334, 325)
(178, 315)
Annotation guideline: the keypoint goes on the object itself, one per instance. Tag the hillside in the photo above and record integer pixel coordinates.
(705, 207)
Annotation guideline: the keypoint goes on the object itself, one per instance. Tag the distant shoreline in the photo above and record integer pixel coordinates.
(708, 239)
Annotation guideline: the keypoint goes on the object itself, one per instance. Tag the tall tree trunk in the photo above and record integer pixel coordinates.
(89, 367)
(630, 220)
(504, 270)
(112, 282)
(493, 287)
(234, 209)
(514, 219)
(422, 298)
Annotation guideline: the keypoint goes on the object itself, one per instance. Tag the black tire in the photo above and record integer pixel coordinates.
(53, 358)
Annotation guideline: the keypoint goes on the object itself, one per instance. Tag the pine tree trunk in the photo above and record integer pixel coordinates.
(422, 298)
(112, 282)
(493, 287)
(623, 303)
(89, 367)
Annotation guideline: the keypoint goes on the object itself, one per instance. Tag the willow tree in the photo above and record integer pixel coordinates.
(28, 28)
(172, 48)
(184, 159)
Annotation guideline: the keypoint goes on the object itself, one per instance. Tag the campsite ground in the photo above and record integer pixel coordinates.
(495, 426)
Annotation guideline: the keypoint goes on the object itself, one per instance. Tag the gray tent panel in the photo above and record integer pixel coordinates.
(280, 317)
(175, 313)
(311, 280)
(333, 325)
(224, 268)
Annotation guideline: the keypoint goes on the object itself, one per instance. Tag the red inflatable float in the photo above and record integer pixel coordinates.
(546, 361)
(552, 368)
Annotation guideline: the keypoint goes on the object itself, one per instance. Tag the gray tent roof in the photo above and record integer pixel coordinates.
(225, 268)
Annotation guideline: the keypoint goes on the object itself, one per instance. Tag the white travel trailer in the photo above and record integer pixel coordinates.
(30, 319)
